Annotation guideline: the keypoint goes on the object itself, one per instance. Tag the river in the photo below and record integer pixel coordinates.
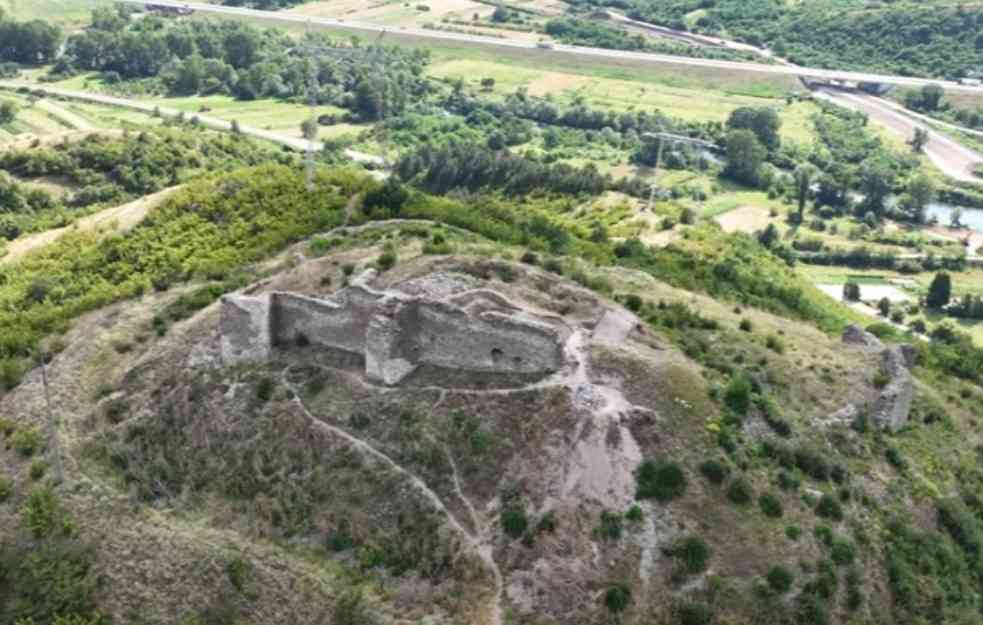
(972, 218)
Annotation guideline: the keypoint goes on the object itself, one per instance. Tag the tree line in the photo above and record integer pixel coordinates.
(233, 58)
(923, 39)
(479, 168)
(34, 42)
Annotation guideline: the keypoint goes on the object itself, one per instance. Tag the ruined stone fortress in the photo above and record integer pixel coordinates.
(396, 332)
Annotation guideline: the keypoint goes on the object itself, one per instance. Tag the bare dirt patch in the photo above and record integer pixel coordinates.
(554, 82)
(744, 219)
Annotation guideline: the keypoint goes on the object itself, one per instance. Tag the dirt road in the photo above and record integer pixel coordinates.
(208, 121)
(953, 159)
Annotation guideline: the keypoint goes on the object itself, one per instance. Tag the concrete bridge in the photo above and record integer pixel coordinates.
(873, 88)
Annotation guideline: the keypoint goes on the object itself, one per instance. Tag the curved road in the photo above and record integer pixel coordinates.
(778, 69)
(952, 158)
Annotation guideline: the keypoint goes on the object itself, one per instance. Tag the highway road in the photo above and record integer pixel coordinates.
(952, 158)
(582, 51)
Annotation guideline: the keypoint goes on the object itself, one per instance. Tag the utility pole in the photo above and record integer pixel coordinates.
(54, 448)
(312, 124)
(663, 137)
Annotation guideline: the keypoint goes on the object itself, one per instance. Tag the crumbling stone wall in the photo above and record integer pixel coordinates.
(340, 323)
(489, 341)
(245, 329)
(395, 333)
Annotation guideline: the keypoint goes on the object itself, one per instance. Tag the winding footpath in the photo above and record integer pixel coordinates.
(598, 403)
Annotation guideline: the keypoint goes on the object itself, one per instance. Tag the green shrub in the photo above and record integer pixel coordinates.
(610, 527)
(116, 410)
(49, 582)
(854, 589)
(895, 459)
(780, 579)
(633, 302)
(662, 481)
(793, 532)
(547, 523)
(694, 613)
(715, 471)
(387, 260)
(812, 463)
(265, 388)
(843, 551)
(7, 427)
(617, 598)
(737, 395)
(693, 553)
(42, 514)
(635, 514)
(811, 610)
(38, 468)
(11, 373)
(240, 573)
(745, 325)
(553, 266)
(824, 534)
(339, 540)
(6, 489)
(319, 246)
(829, 508)
(26, 441)
(775, 344)
(740, 492)
(514, 520)
(350, 609)
(160, 325)
(770, 505)
(787, 481)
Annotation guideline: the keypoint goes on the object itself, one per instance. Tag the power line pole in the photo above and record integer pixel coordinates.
(662, 137)
(54, 448)
(310, 129)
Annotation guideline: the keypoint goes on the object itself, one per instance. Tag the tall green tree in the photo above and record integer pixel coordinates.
(940, 291)
(745, 156)
(919, 192)
(8, 111)
(762, 121)
(804, 175)
(919, 140)
(876, 183)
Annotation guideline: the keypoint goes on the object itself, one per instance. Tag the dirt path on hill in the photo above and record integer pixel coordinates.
(125, 216)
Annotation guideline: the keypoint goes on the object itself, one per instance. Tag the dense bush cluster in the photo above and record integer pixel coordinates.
(478, 168)
(106, 170)
(46, 573)
(206, 230)
(29, 43)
